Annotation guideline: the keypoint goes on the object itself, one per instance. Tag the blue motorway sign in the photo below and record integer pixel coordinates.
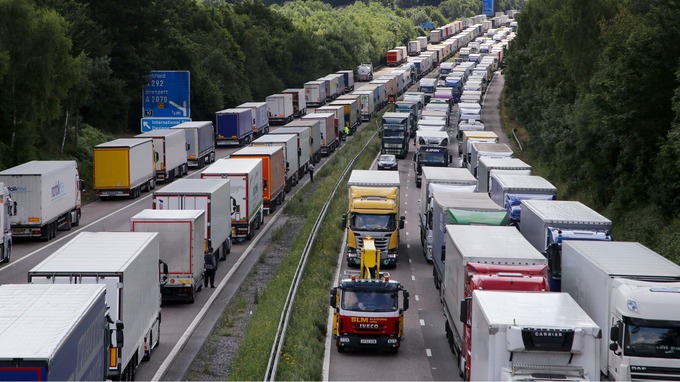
(427, 25)
(149, 124)
(488, 8)
(167, 95)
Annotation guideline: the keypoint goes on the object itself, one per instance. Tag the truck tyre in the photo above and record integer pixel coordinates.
(2, 251)
(76, 219)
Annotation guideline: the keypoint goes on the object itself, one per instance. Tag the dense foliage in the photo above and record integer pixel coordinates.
(596, 85)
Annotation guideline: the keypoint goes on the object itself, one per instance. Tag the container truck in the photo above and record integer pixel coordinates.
(200, 137)
(315, 93)
(423, 42)
(349, 79)
(374, 211)
(234, 126)
(504, 165)
(453, 207)
(481, 149)
(128, 264)
(520, 336)
(367, 103)
(260, 111)
(508, 191)
(427, 86)
(432, 150)
(365, 72)
(53, 333)
(304, 144)
(299, 101)
(633, 294)
(314, 126)
(395, 132)
(169, 147)
(414, 48)
(367, 310)
(124, 167)
(40, 198)
(245, 187)
(394, 57)
(329, 130)
(488, 245)
(211, 195)
(280, 108)
(273, 173)
(547, 224)
(339, 111)
(291, 152)
(181, 236)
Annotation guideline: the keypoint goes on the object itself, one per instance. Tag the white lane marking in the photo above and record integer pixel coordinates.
(417, 298)
(413, 278)
(406, 233)
(408, 245)
(428, 352)
(422, 322)
(409, 261)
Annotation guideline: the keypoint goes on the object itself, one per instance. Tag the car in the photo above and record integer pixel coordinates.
(388, 162)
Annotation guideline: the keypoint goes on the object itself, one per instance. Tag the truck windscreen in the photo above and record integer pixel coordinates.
(370, 301)
(434, 158)
(652, 338)
(373, 222)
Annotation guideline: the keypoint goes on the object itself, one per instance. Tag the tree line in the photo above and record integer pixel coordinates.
(596, 85)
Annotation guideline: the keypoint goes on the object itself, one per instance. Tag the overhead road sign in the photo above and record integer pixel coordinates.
(149, 124)
(167, 95)
(427, 25)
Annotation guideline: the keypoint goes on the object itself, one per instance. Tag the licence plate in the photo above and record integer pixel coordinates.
(369, 341)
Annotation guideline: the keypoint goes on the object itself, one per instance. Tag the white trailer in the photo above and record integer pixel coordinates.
(532, 336)
(181, 236)
(304, 144)
(414, 48)
(47, 196)
(455, 179)
(200, 136)
(508, 191)
(260, 113)
(480, 149)
(423, 42)
(245, 179)
(299, 101)
(281, 109)
(367, 103)
(633, 293)
(294, 167)
(314, 135)
(169, 147)
(489, 165)
(127, 263)
(315, 93)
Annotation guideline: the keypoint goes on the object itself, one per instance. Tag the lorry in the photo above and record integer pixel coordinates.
(414, 48)
(482, 149)
(423, 42)
(281, 109)
(315, 93)
(368, 103)
(299, 101)
(547, 224)
(394, 133)
(366, 306)
(525, 336)
(427, 86)
(245, 190)
(349, 79)
(234, 126)
(373, 210)
(169, 147)
(489, 165)
(124, 167)
(508, 191)
(40, 198)
(490, 245)
(365, 72)
(339, 112)
(47, 341)
(273, 173)
(181, 239)
(130, 273)
(329, 130)
(351, 113)
(432, 150)
(211, 195)
(294, 165)
(299, 126)
(260, 111)
(453, 207)
(633, 294)
(410, 107)
(200, 137)
(304, 144)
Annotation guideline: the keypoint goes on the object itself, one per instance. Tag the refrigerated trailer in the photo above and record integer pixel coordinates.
(169, 147)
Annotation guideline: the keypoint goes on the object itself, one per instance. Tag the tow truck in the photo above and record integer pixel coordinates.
(367, 311)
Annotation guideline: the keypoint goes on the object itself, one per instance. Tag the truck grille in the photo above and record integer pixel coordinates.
(381, 241)
(369, 328)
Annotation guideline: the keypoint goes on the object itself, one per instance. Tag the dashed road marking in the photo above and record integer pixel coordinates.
(422, 322)
(417, 298)
(428, 352)
(409, 261)
(413, 278)
(408, 245)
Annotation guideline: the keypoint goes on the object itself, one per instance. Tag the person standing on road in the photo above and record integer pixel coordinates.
(310, 168)
(210, 265)
(346, 131)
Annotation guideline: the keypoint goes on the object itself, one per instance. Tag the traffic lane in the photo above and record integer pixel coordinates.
(490, 108)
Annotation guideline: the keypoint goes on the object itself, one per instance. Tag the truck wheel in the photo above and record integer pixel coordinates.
(257, 222)
(76, 220)
(2, 251)
(152, 184)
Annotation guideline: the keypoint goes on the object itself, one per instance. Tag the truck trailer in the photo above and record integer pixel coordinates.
(200, 137)
(314, 127)
(329, 131)
(44, 197)
(292, 154)
(299, 101)
(508, 191)
(245, 184)
(43, 340)
(127, 263)
(304, 144)
(273, 173)
(124, 167)
(504, 165)
(480, 150)
(315, 93)
(210, 195)
(260, 113)
(169, 147)
(633, 294)
(280, 108)
(234, 126)
(181, 238)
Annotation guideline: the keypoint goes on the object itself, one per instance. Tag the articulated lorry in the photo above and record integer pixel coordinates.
(200, 136)
(304, 145)
(524, 336)
(310, 129)
(455, 208)
(234, 126)
(45, 198)
(273, 173)
(633, 294)
(169, 147)
(366, 306)
(299, 101)
(260, 111)
(329, 130)
(53, 333)
(508, 191)
(504, 165)
(365, 72)
(128, 264)
(124, 167)
(181, 238)
(315, 93)
(210, 195)
(292, 155)
(481, 150)
(373, 210)
(394, 133)
(280, 108)
(432, 150)
(484, 245)
(547, 224)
